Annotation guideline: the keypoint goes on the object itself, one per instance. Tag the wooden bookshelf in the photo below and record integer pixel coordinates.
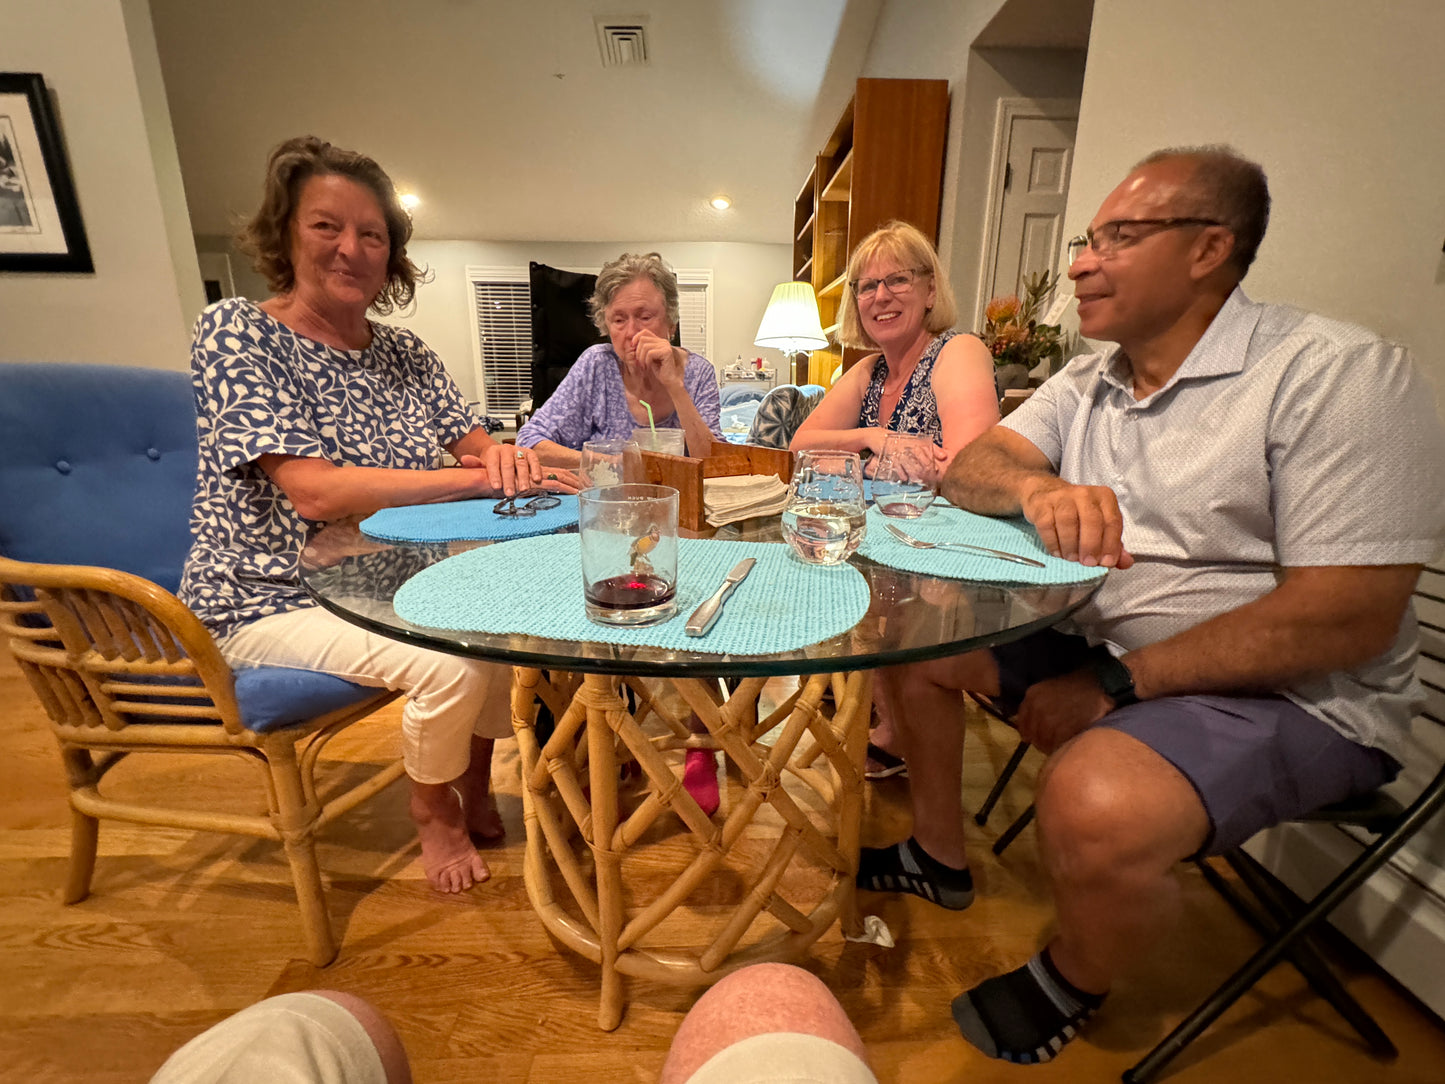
(883, 160)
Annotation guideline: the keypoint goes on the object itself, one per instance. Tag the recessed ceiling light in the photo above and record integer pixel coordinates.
(720, 203)
(410, 200)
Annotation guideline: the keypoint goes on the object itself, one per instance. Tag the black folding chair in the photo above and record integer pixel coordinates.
(1015, 759)
(1287, 923)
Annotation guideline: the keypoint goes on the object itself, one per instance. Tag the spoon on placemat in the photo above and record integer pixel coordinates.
(983, 551)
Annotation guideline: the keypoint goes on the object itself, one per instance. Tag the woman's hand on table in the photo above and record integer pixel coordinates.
(872, 441)
(560, 480)
(507, 467)
(874, 437)
(510, 470)
(942, 457)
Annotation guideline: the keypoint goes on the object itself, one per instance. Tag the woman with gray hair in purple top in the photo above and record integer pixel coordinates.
(635, 304)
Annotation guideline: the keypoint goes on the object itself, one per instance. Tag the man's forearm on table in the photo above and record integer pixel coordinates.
(990, 480)
(1281, 638)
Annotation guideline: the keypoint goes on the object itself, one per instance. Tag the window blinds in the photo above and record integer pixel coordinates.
(504, 332)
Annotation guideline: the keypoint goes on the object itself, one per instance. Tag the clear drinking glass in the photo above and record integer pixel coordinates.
(669, 441)
(905, 480)
(629, 553)
(610, 463)
(825, 518)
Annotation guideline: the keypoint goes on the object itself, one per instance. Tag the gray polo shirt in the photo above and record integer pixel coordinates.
(1285, 439)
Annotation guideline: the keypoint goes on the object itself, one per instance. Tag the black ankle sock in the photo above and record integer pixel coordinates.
(1025, 1016)
(907, 867)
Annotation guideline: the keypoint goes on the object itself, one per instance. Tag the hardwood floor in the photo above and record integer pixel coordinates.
(182, 929)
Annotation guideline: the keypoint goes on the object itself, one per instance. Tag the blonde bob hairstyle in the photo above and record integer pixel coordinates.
(266, 238)
(903, 243)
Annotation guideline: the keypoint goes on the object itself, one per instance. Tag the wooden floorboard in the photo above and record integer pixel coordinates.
(183, 928)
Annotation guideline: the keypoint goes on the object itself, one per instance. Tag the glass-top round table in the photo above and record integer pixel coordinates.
(618, 851)
(911, 617)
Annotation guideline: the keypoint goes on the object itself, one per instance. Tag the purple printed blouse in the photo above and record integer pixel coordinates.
(591, 403)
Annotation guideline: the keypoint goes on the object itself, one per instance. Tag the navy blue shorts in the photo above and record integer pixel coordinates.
(1253, 760)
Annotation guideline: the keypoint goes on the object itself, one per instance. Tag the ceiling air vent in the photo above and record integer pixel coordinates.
(622, 41)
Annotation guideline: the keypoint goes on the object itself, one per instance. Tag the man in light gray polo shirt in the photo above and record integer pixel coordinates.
(1264, 484)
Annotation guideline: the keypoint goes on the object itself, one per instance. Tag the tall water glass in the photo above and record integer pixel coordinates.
(629, 553)
(905, 479)
(610, 463)
(825, 518)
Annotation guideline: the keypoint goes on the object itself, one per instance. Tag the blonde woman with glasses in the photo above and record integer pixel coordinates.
(925, 378)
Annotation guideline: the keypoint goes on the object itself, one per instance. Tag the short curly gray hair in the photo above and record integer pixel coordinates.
(627, 268)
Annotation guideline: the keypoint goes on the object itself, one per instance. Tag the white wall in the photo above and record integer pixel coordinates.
(930, 39)
(743, 279)
(1344, 105)
(98, 59)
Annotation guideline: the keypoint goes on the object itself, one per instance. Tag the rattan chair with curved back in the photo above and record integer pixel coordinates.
(97, 468)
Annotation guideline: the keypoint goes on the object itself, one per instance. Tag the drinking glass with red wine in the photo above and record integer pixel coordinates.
(629, 553)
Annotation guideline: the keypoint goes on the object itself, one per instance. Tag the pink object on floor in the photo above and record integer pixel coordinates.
(699, 778)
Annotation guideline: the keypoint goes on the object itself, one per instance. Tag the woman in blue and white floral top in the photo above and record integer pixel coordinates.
(307, 412)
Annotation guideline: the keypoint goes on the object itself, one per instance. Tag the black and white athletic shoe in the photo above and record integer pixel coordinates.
(907, 867)
(1025, 1016)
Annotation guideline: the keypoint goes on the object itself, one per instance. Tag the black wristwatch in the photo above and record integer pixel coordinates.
(1116, 681)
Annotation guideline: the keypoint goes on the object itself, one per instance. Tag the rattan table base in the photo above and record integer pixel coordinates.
(610, 859)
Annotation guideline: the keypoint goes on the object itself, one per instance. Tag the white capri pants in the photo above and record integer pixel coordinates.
(449, 698)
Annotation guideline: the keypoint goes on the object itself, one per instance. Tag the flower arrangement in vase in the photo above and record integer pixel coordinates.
(1015, 338)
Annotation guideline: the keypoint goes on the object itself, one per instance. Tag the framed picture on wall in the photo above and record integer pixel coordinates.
(40, 227)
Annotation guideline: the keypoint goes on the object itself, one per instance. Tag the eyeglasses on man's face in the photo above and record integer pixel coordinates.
(1109, 238)
(900, 282)
(539, 501)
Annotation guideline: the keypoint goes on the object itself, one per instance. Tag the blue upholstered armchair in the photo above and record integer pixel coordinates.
(97, 472)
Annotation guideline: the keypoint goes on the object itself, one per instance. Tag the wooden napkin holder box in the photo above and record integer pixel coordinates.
(685, 474)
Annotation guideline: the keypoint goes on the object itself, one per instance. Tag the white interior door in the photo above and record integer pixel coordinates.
(1033, 154)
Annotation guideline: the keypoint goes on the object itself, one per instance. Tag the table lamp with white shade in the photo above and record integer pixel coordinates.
(791, 322)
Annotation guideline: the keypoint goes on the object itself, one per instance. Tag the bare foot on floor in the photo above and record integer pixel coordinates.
(450, 859)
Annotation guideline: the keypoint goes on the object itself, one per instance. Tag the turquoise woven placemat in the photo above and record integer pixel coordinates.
(535, 588)
(948, 524)
(461, 521)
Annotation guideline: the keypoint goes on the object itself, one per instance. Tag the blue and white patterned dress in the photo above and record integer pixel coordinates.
(262, 389)
(917, 409)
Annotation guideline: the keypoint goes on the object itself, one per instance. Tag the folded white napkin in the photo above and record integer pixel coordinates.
(727, 500)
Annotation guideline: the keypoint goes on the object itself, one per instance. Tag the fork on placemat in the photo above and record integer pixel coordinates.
(966, 547)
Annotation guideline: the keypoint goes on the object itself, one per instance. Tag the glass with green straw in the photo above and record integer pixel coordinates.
(653, 439)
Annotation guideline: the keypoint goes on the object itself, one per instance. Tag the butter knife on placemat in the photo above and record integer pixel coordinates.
(706, 615)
